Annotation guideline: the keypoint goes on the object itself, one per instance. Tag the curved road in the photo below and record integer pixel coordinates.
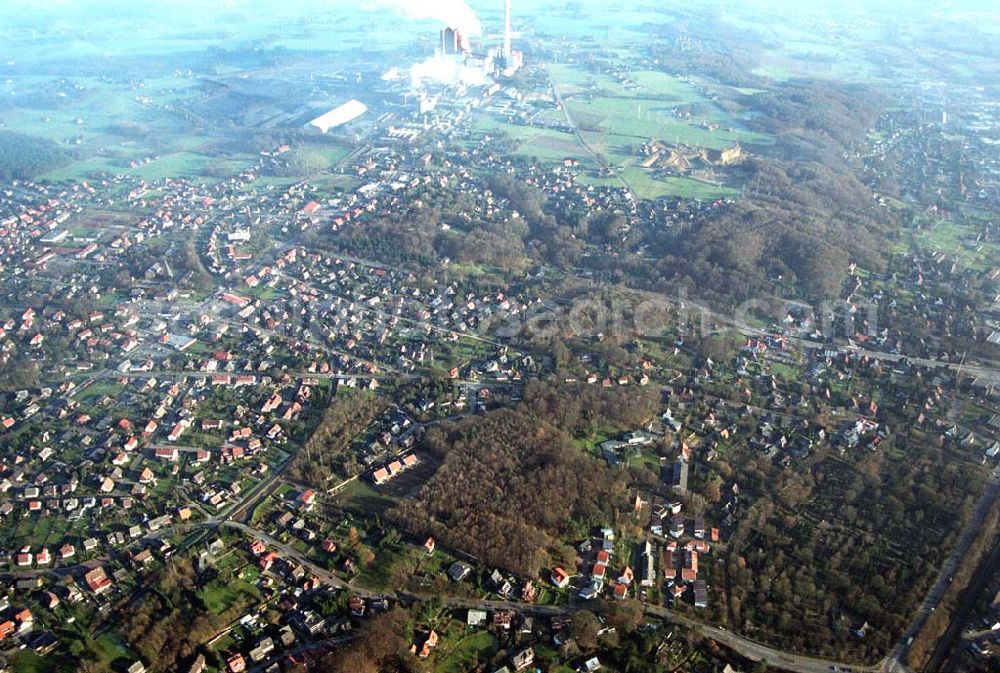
(744, 646)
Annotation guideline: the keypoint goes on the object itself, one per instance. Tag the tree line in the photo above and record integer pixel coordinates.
(23, 157)
(514, 486)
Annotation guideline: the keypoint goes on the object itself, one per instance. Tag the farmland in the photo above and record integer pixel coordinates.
(617, 115)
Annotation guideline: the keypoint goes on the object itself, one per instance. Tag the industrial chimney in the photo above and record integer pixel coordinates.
(506, 31)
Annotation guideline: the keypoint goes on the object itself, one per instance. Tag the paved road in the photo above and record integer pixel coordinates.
(744, 646)
(951, 646)
(182, 374)
(423, 324)
(289, 552)
(977, 371)
(895, 661)
(328, 644)
(245, 505)
(583, 143)
(713, 322)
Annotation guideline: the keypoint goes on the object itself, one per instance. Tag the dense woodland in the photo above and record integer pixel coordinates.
(16, 373)
(836, 543)
(514, 487)
(383, 645)
(805, 214)
(328, 451)
(582, 410)
(438, 224)
(511, 491)
(805, 568)
(23, 157)
(166, 621)
(712, 46)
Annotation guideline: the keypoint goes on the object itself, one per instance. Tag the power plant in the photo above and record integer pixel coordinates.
(512, 60)
(506, 29)
(454, 43)
(456, 62)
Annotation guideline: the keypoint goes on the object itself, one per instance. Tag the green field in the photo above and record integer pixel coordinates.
(648, 186)
(361, 496)
(332, 153)
(219, 597)
(182, 164)
(637, 120)
(111, 647)
(958, 239)
(26, 661)
(617, 117)
(540, 143)
(466, 652)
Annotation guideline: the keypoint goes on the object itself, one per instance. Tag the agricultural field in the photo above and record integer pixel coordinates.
(635, 120)
(617, 116)
(624, 30)
(534, 142)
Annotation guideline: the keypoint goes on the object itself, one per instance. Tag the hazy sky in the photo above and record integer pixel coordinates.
(94, 19)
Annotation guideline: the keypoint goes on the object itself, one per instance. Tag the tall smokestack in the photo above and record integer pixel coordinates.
(506, 31)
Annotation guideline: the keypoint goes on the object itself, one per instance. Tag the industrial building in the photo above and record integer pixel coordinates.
(457, 63)
(511, 60)
(453, 42)
(338, 116)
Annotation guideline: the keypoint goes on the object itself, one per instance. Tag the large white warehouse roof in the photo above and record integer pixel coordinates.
(338, 116)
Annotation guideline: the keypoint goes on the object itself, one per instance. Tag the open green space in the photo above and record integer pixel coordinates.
(959, 239)
(219, 597)
(464, 654)
(644, 119)
(112, 647)
(649, 186)
(361, 496)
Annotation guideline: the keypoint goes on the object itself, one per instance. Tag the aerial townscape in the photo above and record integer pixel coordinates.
(541, 336)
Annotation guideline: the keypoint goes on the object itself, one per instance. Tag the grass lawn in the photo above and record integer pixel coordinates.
(260, 511)
(786, 371)
(645, 458)
(100, 388)
(545, 597)
(38, 531)
(27, 661)
(332, 153)
(111, 646)
(361, 496)
(335, 182)
(541, 143)
(648, 186)
(656, 83)
(264, 293)
(957, 239)
(220, 597)
(572, 79)
(268, 182)
(466, 652)
(181, 164)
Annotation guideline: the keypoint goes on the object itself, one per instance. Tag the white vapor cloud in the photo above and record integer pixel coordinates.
(445, 70)
(452, 13)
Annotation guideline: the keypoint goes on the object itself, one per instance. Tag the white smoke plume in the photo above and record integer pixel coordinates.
(452, 13)
(445, 69)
